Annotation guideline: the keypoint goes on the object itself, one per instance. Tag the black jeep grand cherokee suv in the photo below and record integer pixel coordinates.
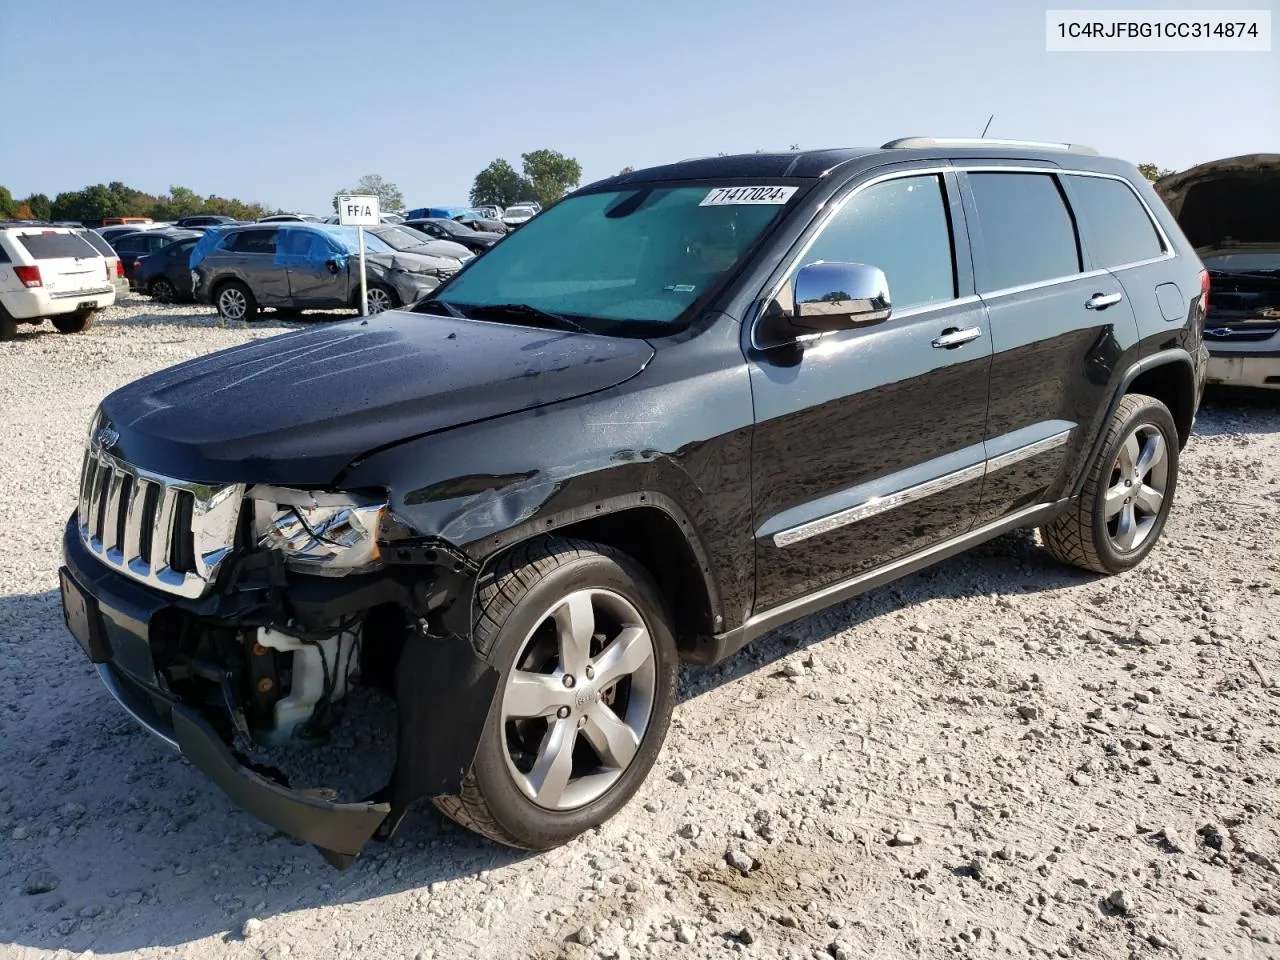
(680, 408)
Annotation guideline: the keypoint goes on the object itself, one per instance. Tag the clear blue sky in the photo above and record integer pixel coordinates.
(285, 102)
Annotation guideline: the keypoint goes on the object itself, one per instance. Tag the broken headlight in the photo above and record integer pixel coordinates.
(331, 534)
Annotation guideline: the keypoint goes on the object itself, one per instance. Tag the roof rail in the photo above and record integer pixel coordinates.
(985, 142)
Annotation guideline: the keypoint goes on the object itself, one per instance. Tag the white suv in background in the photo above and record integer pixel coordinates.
(51, 273)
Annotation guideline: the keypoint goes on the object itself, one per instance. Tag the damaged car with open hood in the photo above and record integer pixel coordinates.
(677, 410)
(308, 266)
(1230, 210)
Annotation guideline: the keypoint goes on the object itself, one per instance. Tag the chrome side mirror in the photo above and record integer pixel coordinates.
(839, 296)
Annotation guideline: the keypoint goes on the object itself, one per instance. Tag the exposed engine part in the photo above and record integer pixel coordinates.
(321, 673)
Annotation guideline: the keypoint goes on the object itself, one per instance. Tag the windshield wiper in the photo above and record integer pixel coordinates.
(446, 306)
(527, 311)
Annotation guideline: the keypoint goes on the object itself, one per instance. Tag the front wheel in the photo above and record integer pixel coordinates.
(581, 635)
(77, 322)
(380, 299)
(235, 302)
(1127, 492)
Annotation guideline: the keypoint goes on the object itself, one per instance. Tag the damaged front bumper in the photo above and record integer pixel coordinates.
(443, 690)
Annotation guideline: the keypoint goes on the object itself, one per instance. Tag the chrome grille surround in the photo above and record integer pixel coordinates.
(131, 519)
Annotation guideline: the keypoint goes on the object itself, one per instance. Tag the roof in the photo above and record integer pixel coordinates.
(815, 164)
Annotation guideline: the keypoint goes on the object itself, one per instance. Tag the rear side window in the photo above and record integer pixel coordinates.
(1027, 232)
(902, 227)
(98, 243)
(253, 241)
(1120, 229)
(181, 248)
(54, 246)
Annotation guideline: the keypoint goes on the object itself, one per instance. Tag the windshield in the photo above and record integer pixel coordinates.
(631, 260)
(520, 212)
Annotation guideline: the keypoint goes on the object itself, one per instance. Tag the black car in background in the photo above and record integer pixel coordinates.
(204, 220)
(132, 247)
(165, 274)
(477, 241)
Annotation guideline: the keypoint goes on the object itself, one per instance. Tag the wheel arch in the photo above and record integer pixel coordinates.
(1168, 376)
(653, 530)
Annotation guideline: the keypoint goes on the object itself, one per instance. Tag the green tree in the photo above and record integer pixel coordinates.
(1154, 173)
(498, 183)
(390, 199)
(7, 205)
(40, 206)
(549, 175)
(626, 170)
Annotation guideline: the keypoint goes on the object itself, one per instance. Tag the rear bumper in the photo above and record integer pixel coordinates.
(118, 642)
(38, 303)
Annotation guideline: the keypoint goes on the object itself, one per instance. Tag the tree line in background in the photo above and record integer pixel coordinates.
(116, 200)
(545, 176)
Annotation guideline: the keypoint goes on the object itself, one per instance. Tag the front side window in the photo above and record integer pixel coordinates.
(1121, 230)
(1027, 232)
(630, 261)
(902, 227)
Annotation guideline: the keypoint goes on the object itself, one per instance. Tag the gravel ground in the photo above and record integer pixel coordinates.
(996, 757)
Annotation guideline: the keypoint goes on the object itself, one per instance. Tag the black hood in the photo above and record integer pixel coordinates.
(297, 408)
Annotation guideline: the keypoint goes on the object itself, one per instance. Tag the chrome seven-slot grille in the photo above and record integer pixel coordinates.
(169, 534)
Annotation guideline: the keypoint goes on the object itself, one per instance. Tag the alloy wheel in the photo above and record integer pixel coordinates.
(577, 704)
(232, 304)
(379, 300)
(163, 291)
(1136, 492)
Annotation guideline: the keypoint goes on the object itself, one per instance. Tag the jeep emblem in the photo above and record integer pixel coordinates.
(106, 438)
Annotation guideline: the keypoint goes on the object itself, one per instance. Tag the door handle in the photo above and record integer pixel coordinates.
(954, 337)
(1100, 301)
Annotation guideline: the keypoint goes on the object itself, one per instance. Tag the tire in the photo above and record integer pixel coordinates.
(524, 608)
(8, 325)
(384, 297)
(235, 302)
(162, 290)
(77, 322)
(1123, 481)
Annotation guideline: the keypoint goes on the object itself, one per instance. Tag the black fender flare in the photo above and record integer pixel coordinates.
(1159, 359)
(484, 551)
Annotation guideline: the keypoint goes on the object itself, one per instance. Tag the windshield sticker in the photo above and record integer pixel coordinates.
(722, 196)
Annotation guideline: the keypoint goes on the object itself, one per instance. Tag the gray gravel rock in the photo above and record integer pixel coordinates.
(1121, 901)
(739, 861)
(251, 928)
(40, 881)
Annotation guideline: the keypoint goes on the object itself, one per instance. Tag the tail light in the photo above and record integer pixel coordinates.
(119, 267)
(30, 276)
(1204, 292)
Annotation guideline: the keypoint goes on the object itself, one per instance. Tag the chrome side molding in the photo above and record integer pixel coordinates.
(879, 505)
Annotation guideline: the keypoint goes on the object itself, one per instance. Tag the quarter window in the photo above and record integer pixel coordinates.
(901, 226)
(1027, 232)
(1120, 229)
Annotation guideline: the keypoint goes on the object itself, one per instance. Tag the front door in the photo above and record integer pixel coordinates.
(868, 442)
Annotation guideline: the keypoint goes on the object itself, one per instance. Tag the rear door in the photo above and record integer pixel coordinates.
(253, 259)
(318, 274)
(69, 265)
(1059, 325)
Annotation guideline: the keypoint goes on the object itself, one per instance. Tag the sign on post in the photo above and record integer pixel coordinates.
(360, 212)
